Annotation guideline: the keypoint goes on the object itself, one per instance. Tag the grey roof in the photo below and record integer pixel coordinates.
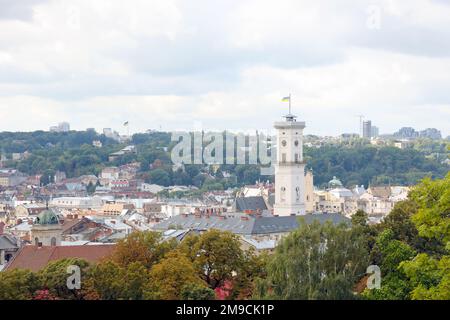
(245, 226)
(7, 242)
(250, 203)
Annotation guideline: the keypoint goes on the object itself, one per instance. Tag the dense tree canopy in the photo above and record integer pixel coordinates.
(316, 262)
(357, 163)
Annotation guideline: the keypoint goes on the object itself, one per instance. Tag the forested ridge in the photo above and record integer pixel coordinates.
(359, 164)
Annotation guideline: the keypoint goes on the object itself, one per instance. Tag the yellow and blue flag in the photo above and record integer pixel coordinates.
(286, 99)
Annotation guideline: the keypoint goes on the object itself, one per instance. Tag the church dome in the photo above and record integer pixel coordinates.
(47, 217)
(335, 182)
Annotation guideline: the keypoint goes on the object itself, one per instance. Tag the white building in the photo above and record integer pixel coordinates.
(290, 168)
(77, 202)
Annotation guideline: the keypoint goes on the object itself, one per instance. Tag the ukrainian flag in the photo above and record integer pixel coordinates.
(286, 99)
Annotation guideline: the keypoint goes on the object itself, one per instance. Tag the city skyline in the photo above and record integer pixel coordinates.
(169, 65)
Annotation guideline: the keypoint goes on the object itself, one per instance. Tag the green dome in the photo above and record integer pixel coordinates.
(335, 182)
(47, 217)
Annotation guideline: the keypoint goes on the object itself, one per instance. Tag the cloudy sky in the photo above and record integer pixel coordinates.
(224, 64)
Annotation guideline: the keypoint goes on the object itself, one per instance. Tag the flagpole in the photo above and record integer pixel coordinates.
(289, 103)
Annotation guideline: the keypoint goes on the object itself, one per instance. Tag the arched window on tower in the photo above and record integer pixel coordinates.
(283, 194)
(297, 194)
(53, 242)
(36, 241)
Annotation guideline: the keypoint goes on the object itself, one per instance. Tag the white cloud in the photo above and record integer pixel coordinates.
(224, 63)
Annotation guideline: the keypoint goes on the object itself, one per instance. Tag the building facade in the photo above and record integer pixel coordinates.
(289, 168)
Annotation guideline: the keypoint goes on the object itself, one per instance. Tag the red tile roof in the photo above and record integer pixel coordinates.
(36, 258)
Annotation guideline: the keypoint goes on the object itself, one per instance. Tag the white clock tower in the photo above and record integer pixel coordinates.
(290, 168)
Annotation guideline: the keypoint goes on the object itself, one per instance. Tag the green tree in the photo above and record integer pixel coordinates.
(171, 275)
(216, 256)
(18, 284)
(54, 277)
(316, 261)
(197, 292)
(160, 177)
(394, 283)
(144, 247)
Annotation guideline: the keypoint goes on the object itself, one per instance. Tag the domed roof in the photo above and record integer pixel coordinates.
(335, 182)
(47, 217)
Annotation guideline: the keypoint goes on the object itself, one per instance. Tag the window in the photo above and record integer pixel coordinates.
(283, 194)
(296, 143)
(283, 143)
(283, 157)
(53, 242)
(296, 158)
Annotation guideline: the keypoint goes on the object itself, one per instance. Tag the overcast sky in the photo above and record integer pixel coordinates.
(224, 64)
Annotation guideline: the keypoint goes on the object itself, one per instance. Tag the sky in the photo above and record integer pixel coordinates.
(224, 64)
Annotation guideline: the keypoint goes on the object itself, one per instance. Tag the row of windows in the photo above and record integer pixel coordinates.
(296, 158)
(283, 194)
(284, 143)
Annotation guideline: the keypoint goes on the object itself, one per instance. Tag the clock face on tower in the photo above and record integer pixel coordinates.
(296, 143)
(283, 143)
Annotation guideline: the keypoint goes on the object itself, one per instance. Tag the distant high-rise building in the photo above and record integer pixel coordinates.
(64, 127)
(375, 132)
(406, 133)
(61, 127)
(431, 133)
(367, 129)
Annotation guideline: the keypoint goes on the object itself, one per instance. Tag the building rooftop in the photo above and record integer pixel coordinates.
(245, 225)
(250, 203)
(35, 258)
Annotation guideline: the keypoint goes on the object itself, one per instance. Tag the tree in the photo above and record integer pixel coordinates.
(421, 223)
(253, 269)
(399, 222)
(91, 188)
(160, 177)
(316, 261)
(109, 281)
(105, 281)
(144, 247)
(54, 277)
(429, 272)
(18, 284)
(433, 215)
(394, 283)
(216, 256)
(197, 292)
(171, 275)
(429, 276)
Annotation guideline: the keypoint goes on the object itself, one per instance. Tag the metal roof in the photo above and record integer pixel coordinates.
(246, 225)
